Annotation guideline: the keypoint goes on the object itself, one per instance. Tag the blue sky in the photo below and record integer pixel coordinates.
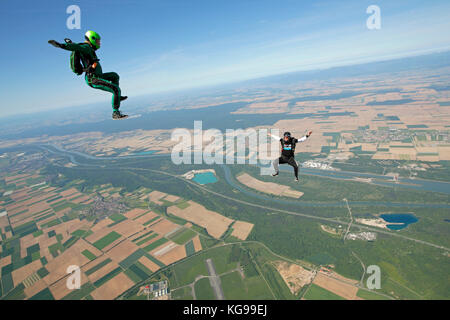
(164, 45)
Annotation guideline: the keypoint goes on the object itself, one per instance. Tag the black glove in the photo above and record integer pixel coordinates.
(55, 44)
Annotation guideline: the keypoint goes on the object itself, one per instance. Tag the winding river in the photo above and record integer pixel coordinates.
(419, 184)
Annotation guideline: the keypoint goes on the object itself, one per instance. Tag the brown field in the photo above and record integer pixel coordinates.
(241, 229)
(21, 274)
(172, 198)
(4, 222)
(338, 287)
(113, 288)
(197, 243)
(121, 251)
(81, 199)
(44, 243)
(101, 225)
(35, 288)
(59, 289)
(28, 241)
(214, 223)
(146, 218)
(63, 212)
(113, 244)
(268, 187)
(174, 253)
(67, 193)
(294, 275)
(329, 229)
(154, 196)
(134, 213)
(73, 196)
(164, 226)
(98, 234)
(163, 249)
(159, 236)
(5, 261)
(16, 177)
(149, 264)
(102, 271)
(68, 227)
(38, 207)
(72, 256)
(127, 228)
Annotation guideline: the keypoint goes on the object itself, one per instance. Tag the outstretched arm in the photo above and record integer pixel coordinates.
(69, 46)
(274, 136)
(305, 137)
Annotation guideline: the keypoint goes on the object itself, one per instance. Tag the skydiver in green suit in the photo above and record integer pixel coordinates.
(94, 75)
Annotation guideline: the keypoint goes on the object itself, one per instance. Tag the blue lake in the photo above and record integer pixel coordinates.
(205, 178)
(404, 218)
(143, 153)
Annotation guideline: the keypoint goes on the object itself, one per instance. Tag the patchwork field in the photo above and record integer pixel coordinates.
(241, 229)
(213, 222)
(340, 288)
(268, 187)
(44, 231)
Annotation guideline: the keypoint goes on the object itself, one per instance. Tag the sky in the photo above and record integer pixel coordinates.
(160, 46)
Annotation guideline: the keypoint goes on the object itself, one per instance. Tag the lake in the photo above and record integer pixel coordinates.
(205, 178)
(404, 218)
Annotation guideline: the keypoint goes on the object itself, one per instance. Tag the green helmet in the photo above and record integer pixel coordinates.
(92, 37)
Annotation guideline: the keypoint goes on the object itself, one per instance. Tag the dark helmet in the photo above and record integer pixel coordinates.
(287, 134)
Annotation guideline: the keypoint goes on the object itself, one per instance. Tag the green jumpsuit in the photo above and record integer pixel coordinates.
(95, 77)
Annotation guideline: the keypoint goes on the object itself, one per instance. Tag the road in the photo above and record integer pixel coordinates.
(214, 280)
(351, 219)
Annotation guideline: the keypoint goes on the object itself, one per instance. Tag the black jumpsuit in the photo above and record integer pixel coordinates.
(287, 154)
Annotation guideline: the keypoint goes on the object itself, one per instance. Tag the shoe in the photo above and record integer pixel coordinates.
(296, 179)
(123, 98)
(118, 115)
(275, 174)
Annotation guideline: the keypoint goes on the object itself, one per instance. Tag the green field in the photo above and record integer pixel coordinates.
(203, 290)
(107, 277)
(183, 205)
(189, 247)
(150, 237)
(182, 294)
(182, 236)
(106, 240)
(187, 270)
(233, 286)
(317, 293)
(84, 290)
(132, 258)
(155, 244)
(89, 254)
(43, 295)
(368, 295)
(98, 266)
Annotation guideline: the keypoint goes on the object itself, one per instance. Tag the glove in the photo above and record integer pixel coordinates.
(55, 44)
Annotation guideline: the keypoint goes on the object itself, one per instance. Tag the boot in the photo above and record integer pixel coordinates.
(118, 115)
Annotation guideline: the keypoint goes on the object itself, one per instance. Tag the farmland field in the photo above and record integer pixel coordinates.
(317, 293)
